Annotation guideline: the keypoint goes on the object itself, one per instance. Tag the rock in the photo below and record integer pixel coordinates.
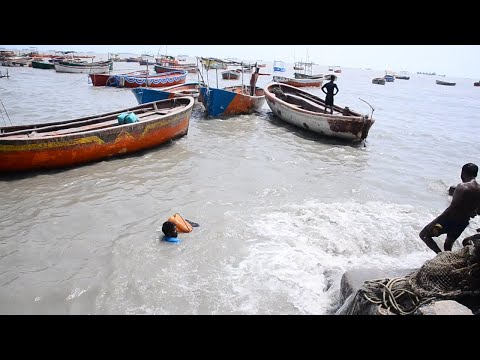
(443, 307)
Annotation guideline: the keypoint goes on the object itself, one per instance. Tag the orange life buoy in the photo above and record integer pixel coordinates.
(182, 225)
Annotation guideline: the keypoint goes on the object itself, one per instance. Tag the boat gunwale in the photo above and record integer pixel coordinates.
(272, 97)
(19, 137)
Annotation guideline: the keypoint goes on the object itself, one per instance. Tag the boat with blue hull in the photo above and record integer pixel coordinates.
(232, 100)
(279, 66)
(146, 95)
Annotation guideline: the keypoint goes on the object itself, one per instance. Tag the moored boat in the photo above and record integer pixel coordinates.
(146, 95)
(106, 79)
(231, 74)
(84, 69)
(315, 82)
(307, 111)
(143, 80)
(73, 142)
(378, 81)
(440, 82)
(232, 100)
(307, 76)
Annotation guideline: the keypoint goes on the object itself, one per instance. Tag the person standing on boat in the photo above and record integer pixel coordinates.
(464, 206)
(253, 81)
(328, 89)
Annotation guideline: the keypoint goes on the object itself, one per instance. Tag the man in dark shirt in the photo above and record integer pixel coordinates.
(328, 89)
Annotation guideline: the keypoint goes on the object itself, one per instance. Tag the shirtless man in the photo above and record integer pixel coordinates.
(464, 206)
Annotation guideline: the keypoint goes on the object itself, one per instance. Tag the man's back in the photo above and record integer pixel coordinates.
(466, 201)
(330, 86)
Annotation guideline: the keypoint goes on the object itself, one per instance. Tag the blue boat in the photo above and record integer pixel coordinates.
(146, 95)
(232, 100)
(389, 78)
(279, 66)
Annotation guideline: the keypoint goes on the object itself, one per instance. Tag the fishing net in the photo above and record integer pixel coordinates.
(451, 275)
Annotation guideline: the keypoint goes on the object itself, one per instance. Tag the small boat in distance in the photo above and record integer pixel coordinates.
(440, 82)
(231, 74)
(92, 138)
(477, 83)
(279, 65)
(315, 82)
(402, 76)
(378, 81)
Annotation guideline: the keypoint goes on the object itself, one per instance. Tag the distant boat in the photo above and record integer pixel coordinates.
(337, 69)
(93, 138)
(403, 76)
(440, 82)
(477, 83)
(232, 100)
(42, 64)
(306, 76)
(231, 74)
(163, 68)
(298, 66)
(378, 81)
(279, 66)
(389, 78)
(307, 111)
(315, 82)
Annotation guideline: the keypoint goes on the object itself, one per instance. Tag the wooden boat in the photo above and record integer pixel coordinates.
(378, 81)
(306, 76)
(403, 76)
(154, 81)
(477, 83)
(279, 66)
(317, 82)
(42, 64)
(389, 78)
(440, 82)
(106, 79)
(92, 138)
(231, 74)
(307, 111)
(146, 95)
(163, 69)
(231, 100)
(146, 62)
(298, 66)
(87, 69)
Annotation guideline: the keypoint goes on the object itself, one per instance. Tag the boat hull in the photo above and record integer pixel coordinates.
(60, 151)
(154, 81)
(230, 102)
(42, 65)
(82, 69)
(145, 95)
(353, 128)
(299, 82)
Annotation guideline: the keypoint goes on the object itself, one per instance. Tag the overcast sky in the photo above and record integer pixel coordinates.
(452, 60)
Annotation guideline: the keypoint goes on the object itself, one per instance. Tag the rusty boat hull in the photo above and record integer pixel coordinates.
(83, 140)
(305, 110)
